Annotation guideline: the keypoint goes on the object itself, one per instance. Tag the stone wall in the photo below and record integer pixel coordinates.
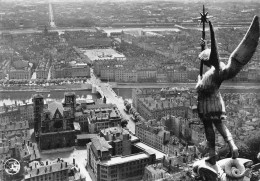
(57, 140)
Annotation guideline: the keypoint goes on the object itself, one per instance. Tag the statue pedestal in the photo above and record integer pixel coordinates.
(207, 171)
(225, 170)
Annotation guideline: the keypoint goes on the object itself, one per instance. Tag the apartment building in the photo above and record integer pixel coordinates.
(152, 134)
(102, 116)
(108, 167)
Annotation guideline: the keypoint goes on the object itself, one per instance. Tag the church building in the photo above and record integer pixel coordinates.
(54, 122)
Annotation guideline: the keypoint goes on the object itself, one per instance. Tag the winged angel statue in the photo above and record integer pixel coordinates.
(211, 107)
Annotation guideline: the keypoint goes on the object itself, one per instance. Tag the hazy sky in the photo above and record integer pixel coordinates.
(155, 0)
(127, 0)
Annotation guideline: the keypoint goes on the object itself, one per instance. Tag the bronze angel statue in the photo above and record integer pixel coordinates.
(211, 107)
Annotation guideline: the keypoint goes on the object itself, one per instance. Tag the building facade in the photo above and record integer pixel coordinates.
(17, 129)
(107, 73)
(152, 108)
(146, 74)
(108, 167)
(55, 121)
(141, 93)
(119, 139)
(27, 112)
(70, 71)
(9, 114)
(154, 172)
(80, 70)
(20, 74)
(60, 171)
(42, 73)
(152, 134)
(102, 117)
(15, 113)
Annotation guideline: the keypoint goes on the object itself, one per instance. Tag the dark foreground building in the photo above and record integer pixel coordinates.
(54, 122)
(115, 157)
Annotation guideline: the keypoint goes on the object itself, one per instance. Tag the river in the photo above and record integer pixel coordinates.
(126, 93)
(9, 98)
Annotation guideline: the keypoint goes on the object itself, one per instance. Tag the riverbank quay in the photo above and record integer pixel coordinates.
(26, 88)
(116, 85)
(226, 85)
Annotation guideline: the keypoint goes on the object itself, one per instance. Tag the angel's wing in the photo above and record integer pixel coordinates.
(244, 51)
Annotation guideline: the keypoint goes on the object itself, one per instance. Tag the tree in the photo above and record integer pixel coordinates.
(258, 102)
(136, 114)
(128, 106)
(125, 102)
(124, 123)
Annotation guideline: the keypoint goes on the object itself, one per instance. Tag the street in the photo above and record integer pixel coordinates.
(107, 91)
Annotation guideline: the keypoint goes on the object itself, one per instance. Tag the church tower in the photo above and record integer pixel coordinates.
(70, 101)
(38, 105)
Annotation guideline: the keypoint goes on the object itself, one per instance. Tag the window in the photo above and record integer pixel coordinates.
(104, 176)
